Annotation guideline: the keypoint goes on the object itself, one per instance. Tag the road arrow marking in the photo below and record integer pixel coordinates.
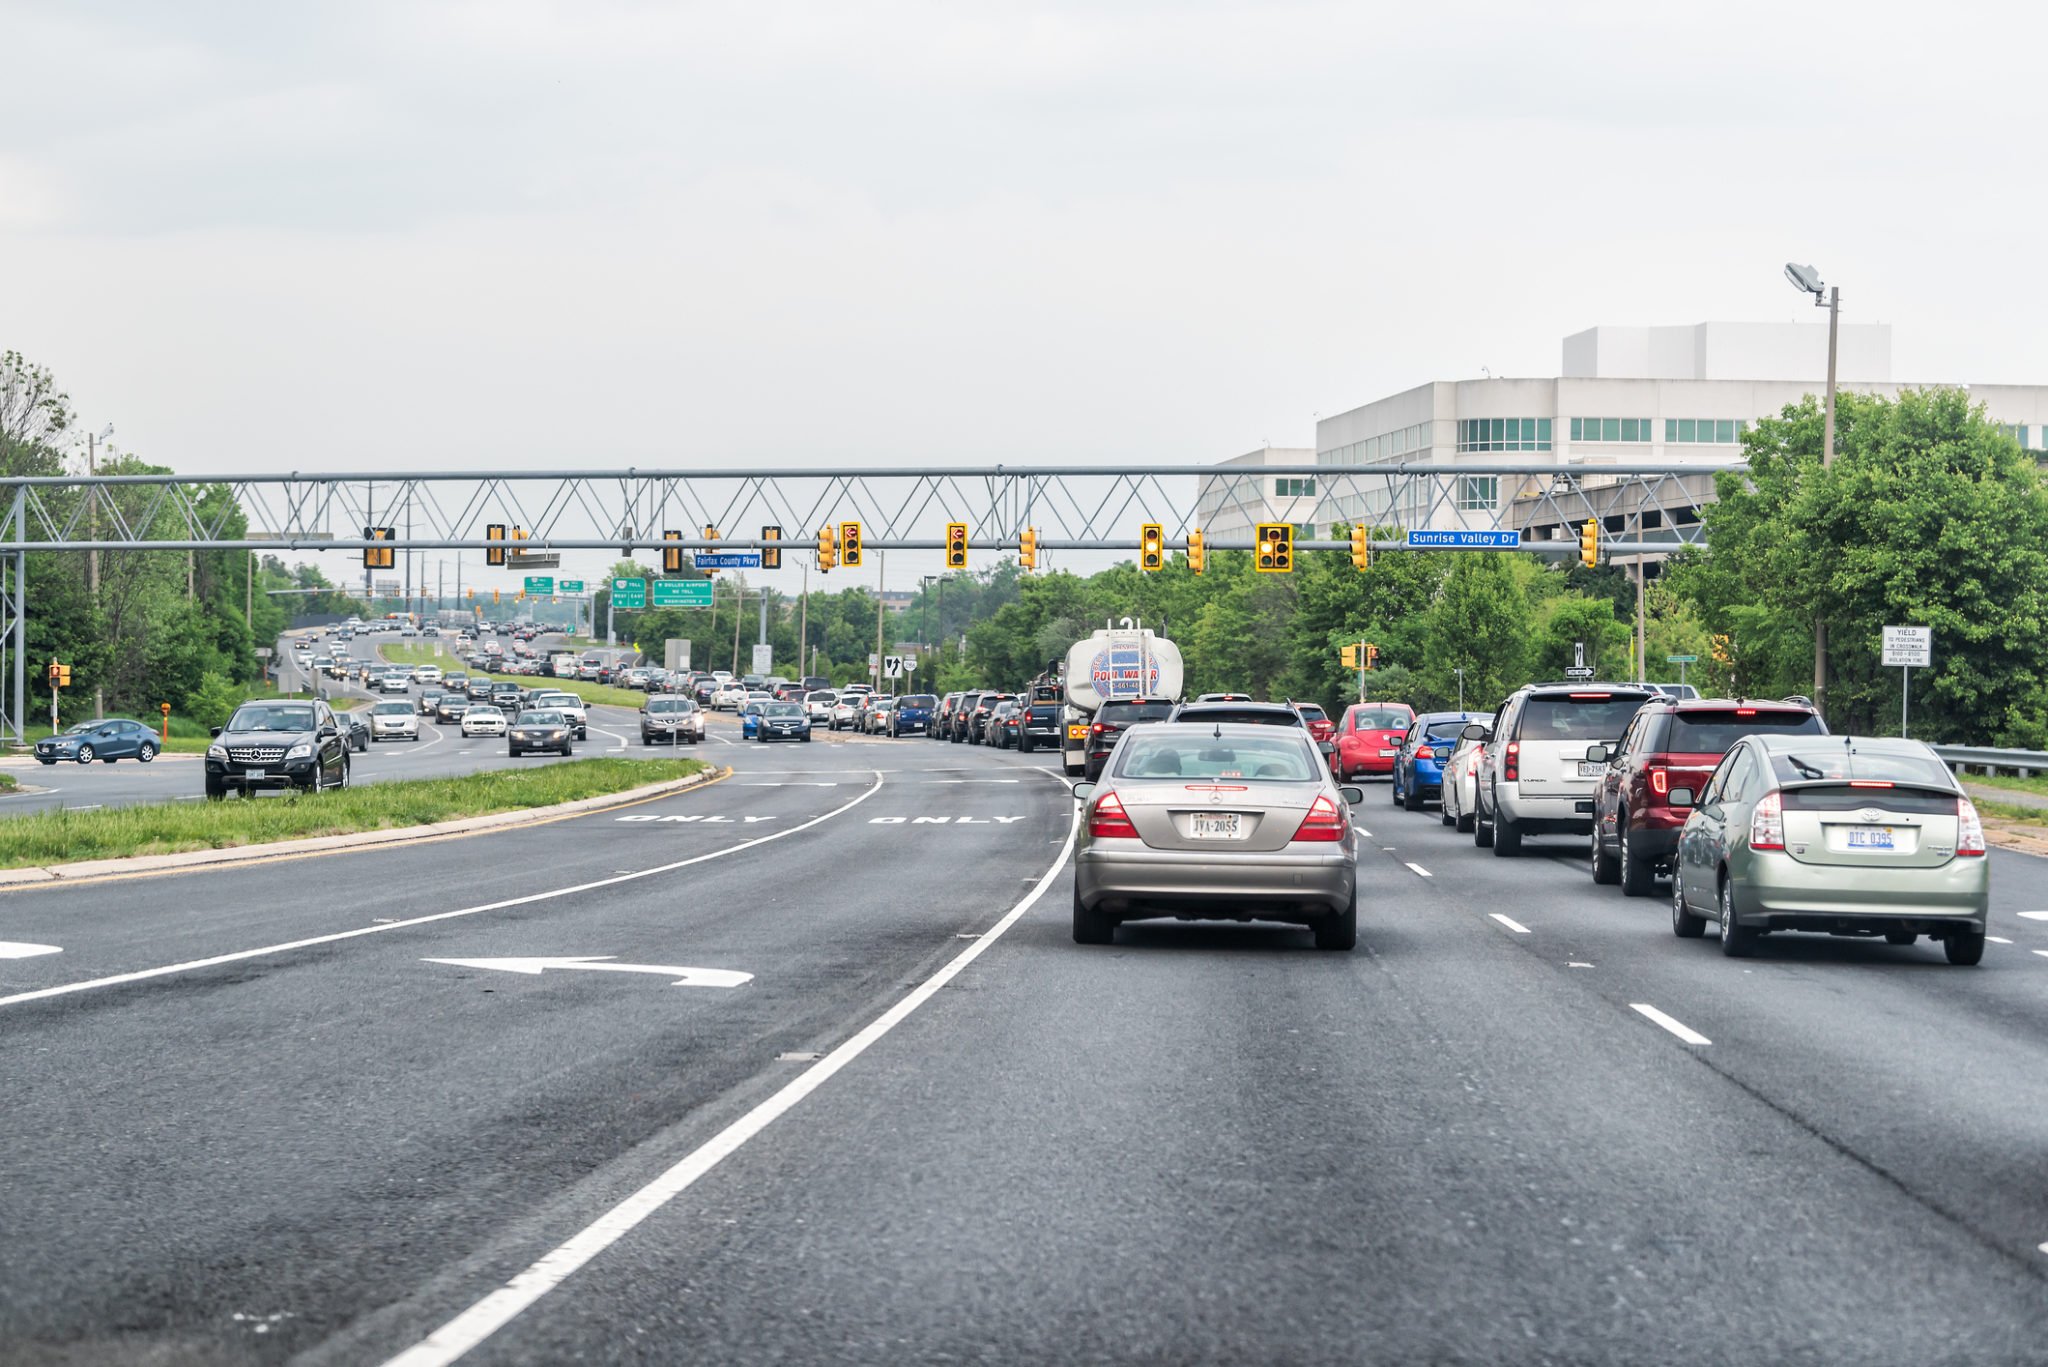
(16, 949)
(684, 977)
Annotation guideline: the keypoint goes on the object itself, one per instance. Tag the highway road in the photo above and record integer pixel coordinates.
(294, 1112)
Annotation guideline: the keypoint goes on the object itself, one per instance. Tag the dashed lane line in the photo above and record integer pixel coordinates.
(1676, 1027)
(1511, 924)
(1421, 872)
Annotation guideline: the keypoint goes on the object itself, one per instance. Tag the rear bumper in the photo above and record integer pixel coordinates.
(1567, 813)
(1778, 892)
(1281, 886)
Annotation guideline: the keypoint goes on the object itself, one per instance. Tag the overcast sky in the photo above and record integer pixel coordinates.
(364, 235)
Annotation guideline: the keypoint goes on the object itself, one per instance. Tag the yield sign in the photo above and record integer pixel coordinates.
(602, 963)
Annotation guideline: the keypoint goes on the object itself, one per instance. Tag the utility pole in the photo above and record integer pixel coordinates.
(803, 631)
(881, 575)
(1827, 458)
(92, 558)
(1642, 668)
(739, 615)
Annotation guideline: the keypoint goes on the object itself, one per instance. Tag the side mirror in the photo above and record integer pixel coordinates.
(1680, 797)
(1327, 747)
(327, 730)
(1596, 754)
(1084, 790)
(1474, 732)
(215, 731)
(1352, 795)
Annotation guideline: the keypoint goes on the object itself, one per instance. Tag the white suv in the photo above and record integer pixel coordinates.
(568, 704)
(424, 674)
(1537, 773)
(394, 721)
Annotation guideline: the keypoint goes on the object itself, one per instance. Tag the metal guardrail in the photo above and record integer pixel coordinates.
(1988, 757)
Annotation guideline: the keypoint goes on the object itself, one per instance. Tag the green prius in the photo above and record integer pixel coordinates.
(1844, 835)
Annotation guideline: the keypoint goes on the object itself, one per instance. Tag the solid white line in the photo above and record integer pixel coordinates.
(2042, 952)
(1364, 832)
(613, 734)
(2034, 915)
(1421, 872)
(192, 965)
(1998, 939)
(1515, 926)
(1678, 1028)
(498, 1309)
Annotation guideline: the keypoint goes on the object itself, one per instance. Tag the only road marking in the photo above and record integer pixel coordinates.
(690, 977)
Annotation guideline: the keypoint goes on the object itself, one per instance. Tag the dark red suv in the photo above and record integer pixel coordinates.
(1672, 743)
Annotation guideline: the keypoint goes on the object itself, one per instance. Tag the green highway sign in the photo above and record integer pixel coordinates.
(572, 586)
(540, 583)
(682, 593)
(629, 593)
(1681, 659)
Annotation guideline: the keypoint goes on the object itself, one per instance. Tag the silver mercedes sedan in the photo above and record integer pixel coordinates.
(1208, 821)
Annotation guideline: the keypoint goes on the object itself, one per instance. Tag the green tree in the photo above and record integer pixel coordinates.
(1479, 624)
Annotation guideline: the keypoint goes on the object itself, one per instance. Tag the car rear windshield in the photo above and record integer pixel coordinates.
(1380, 718)
(1699, 732)
(1208, 713)
(822, 695)
(1124, 713)
(1045, 711)
(1579, 716)
(1839, 761)
(1281, 759)
(1311, 712)
(919, 700)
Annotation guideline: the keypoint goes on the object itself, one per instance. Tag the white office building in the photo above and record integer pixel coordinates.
(1656, 394)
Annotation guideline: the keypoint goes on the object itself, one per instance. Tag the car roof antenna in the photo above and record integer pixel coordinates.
(1218, 735)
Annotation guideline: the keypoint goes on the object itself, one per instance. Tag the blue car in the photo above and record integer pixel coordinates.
(1419, 767)
(106, 741)
(750, 719)
(912, 716)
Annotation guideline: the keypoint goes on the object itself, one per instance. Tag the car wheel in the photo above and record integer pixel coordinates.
(1507, 837)
(512, 751)
(145, 754)
(215, 789)
(566, 751)
(1684, 924)
(1482, 832)
(1736, 941)
(1466, 821)
(1965, 947)
(1443, 814)
(1605, 866)
(1092, 927)
(85, 754)
(1339, 931)
(1394, 787)
(348, 772)
(1637, 875)
(1411, 798)
(1900, 937)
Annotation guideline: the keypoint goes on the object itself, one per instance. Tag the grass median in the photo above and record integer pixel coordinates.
(63, 837)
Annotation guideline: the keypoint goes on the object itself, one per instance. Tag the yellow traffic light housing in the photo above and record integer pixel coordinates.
(1151, 546)
(1350, 654)
(710, 533)
(1372, 656)
(1361, 547)
(849, 545)
(1027, 548)
(1198, 554)
(1589, 543)
(956, 545)
(671, 556)
(494, 595)
(1275, 548)
(828, 548)
(494, 554)
(771, 557)
(378, 557)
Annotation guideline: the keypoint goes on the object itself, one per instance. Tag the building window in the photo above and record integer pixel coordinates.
(1373, 450)
(1478, 493)
(1721, 431)
(2021, 433)
(1611, 429)
(1504, 434)
(1292, 487)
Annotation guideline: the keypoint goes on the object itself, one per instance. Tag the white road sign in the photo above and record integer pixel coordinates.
(1904, 646)
(892, 666)
(764, 658)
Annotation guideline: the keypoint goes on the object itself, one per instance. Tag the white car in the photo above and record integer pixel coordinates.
(731, 693)
(1461, 780)
(819, 705)
(483, 721)
(846, 712)
(394, 721)
(569, 705)
(425, 674)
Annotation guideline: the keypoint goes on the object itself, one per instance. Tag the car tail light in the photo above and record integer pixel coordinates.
(1097, 729)
(1969, 830)
(1511, 762)
(1108, 819)
(1424, 752)
(1323, 822)
(1767, 823)
(1660, 781)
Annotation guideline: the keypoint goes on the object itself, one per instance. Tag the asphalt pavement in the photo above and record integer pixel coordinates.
(804, 1066)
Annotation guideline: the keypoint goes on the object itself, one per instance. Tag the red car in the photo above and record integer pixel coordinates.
(1368, 739)
(1318, 722)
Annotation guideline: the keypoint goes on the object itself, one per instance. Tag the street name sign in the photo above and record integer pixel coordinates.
(1579, 672)
(728, 560)
(1681, 659)
(1908, 647)
(629, 593)
(1459, 540)
(682, 593)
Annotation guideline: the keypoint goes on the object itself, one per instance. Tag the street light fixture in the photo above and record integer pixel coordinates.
(1807, 280)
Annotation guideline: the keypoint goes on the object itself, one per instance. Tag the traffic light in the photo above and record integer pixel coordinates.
(494, 554)
(671, 556)
(771, 558)
(1350, 657)
(1361, 547)
(378, 557)
(518, 534)
(60, 675)
(471, 593)
(710, 533)
(1589, 543)
(956, 545)
(1027, 548)
(849, 545)
(494, 595)
(1198, 555)
(1276, 548)
(1372, 656)
(828, 548)
(1151, 546)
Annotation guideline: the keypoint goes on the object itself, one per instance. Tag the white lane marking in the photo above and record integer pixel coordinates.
(2042, 952)
(1421, 872)
(684, 977)
(1998, 939)
(21, 949)
(1678, 1028)
(2034, 915)
(1515, 926)
(502, 1306)
(1364, 832)
(88, 806)
(613, 734)
(191, 965)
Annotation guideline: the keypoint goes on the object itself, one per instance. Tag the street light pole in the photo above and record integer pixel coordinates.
(1807, 279)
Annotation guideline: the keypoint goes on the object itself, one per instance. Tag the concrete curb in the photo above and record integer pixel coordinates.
(244, 854)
